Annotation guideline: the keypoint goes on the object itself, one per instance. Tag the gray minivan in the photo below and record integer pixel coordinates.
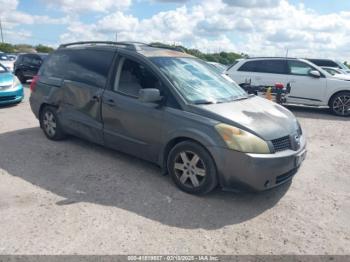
(169, 108)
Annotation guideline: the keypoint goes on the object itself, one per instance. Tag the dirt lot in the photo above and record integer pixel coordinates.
(73, 197)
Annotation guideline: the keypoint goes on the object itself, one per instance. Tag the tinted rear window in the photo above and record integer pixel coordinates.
(265, 66)
(322, 62)
(85, 66)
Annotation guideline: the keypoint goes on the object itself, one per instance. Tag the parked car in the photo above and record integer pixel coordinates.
(6, 62)
(220, 67)
(337, 72)
(329, 63)
(12, 57)
(27, 65)
(310, 84)
(11, 90)
(169, 108)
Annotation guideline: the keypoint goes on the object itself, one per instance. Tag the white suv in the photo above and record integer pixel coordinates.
(311, 85)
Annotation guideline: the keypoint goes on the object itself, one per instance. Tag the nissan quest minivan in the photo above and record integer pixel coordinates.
(169, 108)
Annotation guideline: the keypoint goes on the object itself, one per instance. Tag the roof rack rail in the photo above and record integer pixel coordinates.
(130, 45)
(270, 57)
(167, 47)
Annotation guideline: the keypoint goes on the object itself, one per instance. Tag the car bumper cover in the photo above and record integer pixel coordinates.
(11, 96)
(259, 172)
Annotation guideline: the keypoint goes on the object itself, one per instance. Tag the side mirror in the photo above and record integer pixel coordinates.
(315, 73)
(150, 95)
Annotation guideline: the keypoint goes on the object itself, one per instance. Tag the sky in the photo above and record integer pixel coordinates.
(306, 28)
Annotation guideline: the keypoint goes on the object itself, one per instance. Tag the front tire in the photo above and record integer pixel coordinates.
(340, 104)
(50, 124)
(192, 168)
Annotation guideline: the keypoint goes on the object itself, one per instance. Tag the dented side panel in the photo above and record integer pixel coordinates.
(80, 110)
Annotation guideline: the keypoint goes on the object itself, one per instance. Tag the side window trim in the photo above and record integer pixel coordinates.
(118, 56)
(255, 67)
(120, 62)
(302, 62)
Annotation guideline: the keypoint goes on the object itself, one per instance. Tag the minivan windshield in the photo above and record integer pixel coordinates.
(197, 81)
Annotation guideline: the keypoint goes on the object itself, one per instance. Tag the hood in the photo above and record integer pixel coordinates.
(259, 116)
(6, 79)
(342, 76)
(8, 64)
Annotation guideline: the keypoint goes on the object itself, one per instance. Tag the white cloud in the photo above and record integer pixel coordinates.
(216, 25)
(253, 3)
(264, 27)
(91, 5)
(10, 5)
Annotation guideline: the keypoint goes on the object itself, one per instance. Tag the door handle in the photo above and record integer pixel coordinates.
(95, 98)
(110, 102)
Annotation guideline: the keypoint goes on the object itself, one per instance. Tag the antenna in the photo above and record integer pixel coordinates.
(287, 53)
(2, 36)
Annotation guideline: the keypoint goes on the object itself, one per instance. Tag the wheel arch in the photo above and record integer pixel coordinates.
(42, 106)
(173, 142)
(336, 93)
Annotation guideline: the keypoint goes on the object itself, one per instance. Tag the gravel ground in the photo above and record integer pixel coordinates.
(74, 197)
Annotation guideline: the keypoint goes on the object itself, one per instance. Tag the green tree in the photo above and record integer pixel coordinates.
(43, 49)
(225, 58)
(7, 48)
(24, 48)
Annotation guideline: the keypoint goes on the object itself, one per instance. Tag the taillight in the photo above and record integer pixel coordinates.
(33, 83)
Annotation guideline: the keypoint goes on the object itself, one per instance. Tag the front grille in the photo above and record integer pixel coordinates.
(7, 98)
(281, 144)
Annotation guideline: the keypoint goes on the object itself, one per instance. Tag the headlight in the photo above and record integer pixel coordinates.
(16, 82)
(243, 141)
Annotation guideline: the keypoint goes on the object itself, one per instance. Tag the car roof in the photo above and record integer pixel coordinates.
(319, 59)
(268, 57)
(140, 48)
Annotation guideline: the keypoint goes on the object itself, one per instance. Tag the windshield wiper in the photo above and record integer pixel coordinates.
(203, 102)
(240, 98)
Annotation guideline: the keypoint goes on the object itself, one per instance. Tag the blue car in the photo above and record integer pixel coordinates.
(11, 90)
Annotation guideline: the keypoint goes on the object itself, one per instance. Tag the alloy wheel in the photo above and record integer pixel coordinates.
(341, 105)
(49, 123)
(190, 170)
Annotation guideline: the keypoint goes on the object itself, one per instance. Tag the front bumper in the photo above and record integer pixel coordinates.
(256, 171)
(11, 96)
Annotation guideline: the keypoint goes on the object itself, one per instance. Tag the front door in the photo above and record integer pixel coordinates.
(130, 125)
(306, 89)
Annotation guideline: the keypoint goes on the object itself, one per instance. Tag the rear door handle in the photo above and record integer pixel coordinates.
(110, 102)
(95, 98)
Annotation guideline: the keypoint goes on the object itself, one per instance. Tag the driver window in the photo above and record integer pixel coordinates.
(131, 77)
(299, 68)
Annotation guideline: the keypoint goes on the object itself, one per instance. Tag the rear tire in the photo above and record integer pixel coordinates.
(50, 124)
(340, 104)
(192, 168)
